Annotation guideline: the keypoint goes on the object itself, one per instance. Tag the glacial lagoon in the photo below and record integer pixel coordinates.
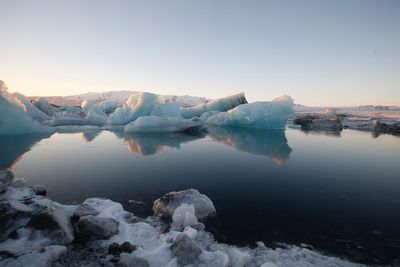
(338, 193)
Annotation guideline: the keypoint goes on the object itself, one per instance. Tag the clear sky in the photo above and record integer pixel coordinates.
(320, 52)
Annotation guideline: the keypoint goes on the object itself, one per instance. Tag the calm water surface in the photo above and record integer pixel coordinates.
(337, 193)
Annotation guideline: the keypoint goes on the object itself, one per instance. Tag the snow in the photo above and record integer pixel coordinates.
(14, 118)
(222, 104)
(264, 115)
(154, 124)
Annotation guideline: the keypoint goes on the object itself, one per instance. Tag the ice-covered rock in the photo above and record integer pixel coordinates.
(42, 104)
(154, 124)
(14, 119)
(222, 104)
(97, 227)
(44, 257)
(55, 224)
(130, 260)
(185, 250)
(167, 204)
(265, 115)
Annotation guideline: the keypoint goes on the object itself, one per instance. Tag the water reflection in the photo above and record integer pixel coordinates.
(89, 136)
(150, 144)
(12, 147)
(272, 144)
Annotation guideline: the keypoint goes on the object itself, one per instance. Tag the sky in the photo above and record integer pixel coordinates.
(342, 52)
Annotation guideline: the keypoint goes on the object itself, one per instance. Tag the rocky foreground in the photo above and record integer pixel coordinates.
(35, 231)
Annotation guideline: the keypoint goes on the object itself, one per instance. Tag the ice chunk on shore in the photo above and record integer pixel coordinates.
(265, 115)
(167, 204)
(154, 124)
(184, 216)
(14, 119)
(222, 104)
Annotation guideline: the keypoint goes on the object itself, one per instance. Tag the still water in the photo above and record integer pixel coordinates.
(339, 193)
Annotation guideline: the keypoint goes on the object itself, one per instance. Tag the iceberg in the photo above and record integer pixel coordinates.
(14, 118)
(154, 124)
(45, 107)
(33, 111)
(94, 113)
(265, 115)
(222, 104)
(136, 106)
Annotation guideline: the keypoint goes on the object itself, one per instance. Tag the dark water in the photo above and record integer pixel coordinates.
(337, 193)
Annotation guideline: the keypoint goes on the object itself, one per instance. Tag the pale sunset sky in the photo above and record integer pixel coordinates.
(342, 52)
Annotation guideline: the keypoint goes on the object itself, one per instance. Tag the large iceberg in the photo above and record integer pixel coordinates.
(154, 124)
(14, 118)
(265, 115)
(33, 111)
(222, 104)
(136, 106)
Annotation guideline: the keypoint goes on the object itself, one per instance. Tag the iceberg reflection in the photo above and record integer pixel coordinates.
(150, 144)
(12, 147)
(270, 143)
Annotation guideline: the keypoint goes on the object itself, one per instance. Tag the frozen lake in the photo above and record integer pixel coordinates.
(337, 193)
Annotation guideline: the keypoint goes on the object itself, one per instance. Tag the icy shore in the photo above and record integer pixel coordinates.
(35, 231)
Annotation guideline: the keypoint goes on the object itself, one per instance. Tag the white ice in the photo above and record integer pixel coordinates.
(222, 104)
(14, 118)
(154, 124)
(265, 115)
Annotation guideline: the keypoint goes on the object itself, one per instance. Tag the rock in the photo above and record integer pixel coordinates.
(55, 222)
(304, 121)
(5, 179)
(330, 123)
(44, 257)
(114, 249)
(185, 250)
(13, 215)
(127, 247)
(84, 210)
(97, 227)
(129, 260)
(319, 122)
(167, 204)
(39, 190)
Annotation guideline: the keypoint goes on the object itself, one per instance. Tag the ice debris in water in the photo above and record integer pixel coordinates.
(43, 241)
(265, 115)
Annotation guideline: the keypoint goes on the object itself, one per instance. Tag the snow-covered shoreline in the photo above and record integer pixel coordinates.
(99, 232)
